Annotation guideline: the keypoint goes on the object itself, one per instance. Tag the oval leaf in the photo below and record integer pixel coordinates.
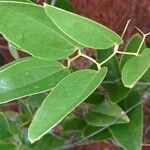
(30, 29)
(132, 131)
(29, 76)
(120, 92)
(105, 114)
(135, 68)
(67, 95)
(132, 47)
(83, 30)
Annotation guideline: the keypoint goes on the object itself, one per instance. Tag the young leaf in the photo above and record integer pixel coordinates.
(132, 47)
(82, 30)
(132, 131)
(28, 27)
(29, 76)
(102, 135)
(105, 114)
(117, 92)
(67, 95)
(135, 68)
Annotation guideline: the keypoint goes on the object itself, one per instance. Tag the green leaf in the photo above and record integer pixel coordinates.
(66, 96)
(48, 142)
(132, 47)
(64, 4)
(4, 127)
(135, 68)
(130, 135)
(105, 114)
(95, 99)
(74, 123)
(117, 92)
(146, 77)
(7, 147)
(29, 76)
(82, 30)
(102, 135)
(30, 29)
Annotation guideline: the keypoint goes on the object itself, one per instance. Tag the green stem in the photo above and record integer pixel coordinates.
(112, 55)
(92, 60)
(144, 36)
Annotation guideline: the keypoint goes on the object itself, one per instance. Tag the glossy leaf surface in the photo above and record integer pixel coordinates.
(29, 76)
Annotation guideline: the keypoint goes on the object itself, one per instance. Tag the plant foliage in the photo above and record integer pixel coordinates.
(103, 96)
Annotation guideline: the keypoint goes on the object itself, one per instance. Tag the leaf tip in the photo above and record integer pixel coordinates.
(32, 139)
(127, 85)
